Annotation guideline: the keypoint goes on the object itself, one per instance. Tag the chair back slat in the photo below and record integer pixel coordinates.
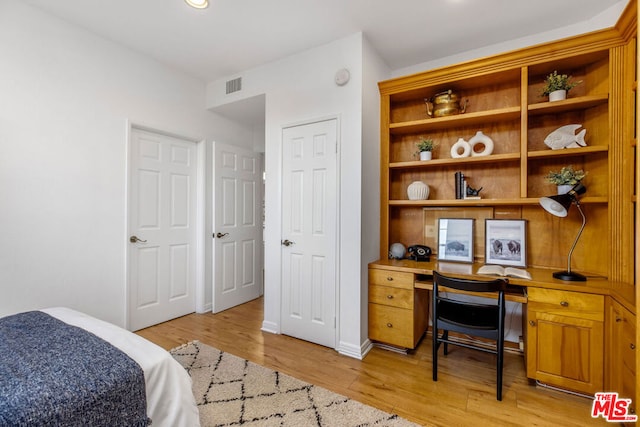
(495, 285)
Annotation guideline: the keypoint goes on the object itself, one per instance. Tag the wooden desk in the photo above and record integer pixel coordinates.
(564, 322)
(512, 293)
(540, 277)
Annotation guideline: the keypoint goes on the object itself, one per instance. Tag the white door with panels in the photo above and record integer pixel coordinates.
(237, 227)
(162, 228)
(309, 231)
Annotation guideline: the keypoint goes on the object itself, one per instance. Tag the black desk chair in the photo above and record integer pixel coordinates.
(480, 320)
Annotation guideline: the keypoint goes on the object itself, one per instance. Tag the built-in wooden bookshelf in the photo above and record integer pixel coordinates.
(504, 102)
(502, 95)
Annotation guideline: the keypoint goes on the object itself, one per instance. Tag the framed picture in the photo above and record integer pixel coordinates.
(505, 242)
(455, 239)
(432, 214)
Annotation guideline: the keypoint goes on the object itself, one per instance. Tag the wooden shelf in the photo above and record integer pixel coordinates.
(498, 158)
(494, 158)
(488, 202)
(466, 119)
(568, 152)
(582, 102)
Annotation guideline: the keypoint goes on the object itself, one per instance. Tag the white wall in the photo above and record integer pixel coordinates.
(298, 89)
(606, 19)
(66, 100)
(374, 70)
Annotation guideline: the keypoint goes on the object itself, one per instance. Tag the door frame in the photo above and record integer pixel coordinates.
(200, 303)
(273, 302)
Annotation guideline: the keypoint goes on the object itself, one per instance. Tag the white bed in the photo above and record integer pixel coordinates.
(170, 400)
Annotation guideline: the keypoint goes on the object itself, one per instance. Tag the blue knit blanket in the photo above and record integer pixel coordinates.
(54, 374)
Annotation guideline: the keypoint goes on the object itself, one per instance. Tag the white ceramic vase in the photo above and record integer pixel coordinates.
(418, 190)
(558, 95)
(564, 189)
(425, 155)
(460, 149)
(483, 141)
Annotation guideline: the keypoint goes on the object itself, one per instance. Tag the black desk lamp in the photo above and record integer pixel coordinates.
(559, 206)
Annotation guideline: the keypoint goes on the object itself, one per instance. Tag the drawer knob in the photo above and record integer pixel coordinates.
(390, 279)
(618, 319)
(389, 325)
(632, 346)
(532, 323)
(389, 296)
(564, 303)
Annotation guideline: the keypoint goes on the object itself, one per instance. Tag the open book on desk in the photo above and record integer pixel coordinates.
(499, 270)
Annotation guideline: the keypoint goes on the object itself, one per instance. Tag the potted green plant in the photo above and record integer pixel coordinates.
(425, 147)
(566, 178)
(557, 85)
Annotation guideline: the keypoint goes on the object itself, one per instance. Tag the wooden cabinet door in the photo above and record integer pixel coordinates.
(566, 352)
(621, 350)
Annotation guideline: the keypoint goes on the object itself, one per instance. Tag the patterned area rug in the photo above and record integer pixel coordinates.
(231, 391)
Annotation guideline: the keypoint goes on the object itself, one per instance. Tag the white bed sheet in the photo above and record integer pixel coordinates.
(170, 400)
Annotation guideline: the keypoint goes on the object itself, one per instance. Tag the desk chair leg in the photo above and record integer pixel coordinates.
(434, 357)
(500, 351)
(446, 344)
(499, 368)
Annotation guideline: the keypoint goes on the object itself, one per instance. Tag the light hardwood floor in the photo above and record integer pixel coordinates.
(464, 394)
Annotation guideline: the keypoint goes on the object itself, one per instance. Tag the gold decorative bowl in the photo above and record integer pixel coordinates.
(445, 103)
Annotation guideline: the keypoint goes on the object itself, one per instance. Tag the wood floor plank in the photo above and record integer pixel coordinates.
(464, 394)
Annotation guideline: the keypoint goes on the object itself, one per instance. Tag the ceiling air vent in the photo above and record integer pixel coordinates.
(234, 85)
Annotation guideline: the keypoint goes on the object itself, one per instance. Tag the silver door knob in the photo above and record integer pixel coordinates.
(287, 242)
(221, 235)
(136, 239)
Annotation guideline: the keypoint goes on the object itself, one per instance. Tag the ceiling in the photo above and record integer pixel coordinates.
(231, 36)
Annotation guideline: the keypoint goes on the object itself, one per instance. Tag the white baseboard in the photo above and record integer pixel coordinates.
(270, 327)
(354, 351)
(205, 309)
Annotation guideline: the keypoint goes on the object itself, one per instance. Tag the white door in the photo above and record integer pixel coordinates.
(309, 232)
(237, 227)
(162, 217)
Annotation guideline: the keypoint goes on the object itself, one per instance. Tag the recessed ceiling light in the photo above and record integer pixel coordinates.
(198, 4)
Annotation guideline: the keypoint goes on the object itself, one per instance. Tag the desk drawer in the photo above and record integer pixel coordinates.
(576, 304)
(396, 279)
(387, 295)
(391, 325)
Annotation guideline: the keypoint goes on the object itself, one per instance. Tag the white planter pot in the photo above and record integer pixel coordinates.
(564, 189)
(558, 95)
(418, 190)
(425, 155)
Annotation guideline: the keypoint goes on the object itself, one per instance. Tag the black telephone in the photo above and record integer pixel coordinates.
(419, 252)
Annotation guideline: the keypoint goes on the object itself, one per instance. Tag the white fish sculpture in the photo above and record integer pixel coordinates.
(565, 137)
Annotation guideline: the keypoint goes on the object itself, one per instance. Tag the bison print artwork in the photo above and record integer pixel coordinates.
(505, 242)
(455, 239)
